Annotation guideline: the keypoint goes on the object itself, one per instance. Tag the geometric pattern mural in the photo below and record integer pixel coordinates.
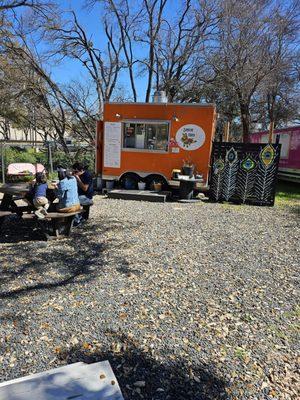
(244, 172)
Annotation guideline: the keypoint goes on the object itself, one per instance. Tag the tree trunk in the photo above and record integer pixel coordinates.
(245, 117)
(65, 147)
(7, 132)
(150, 73)
(131, 76)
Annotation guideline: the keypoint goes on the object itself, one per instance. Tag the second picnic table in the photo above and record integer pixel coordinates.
(186, 186)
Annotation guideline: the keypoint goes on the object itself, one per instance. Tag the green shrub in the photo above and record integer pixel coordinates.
(61, 158)
(86, 157)
(52, 176)
(27, 178)
(30, 155)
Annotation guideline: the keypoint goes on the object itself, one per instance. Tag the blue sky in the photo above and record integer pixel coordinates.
(91, 21)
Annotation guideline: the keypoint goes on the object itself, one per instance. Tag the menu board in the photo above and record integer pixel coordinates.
(112, 144)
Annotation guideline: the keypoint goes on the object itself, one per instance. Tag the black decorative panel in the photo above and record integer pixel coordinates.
(244, 172)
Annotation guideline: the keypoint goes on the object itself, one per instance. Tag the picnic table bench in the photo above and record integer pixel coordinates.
(3, 214)
(54, 224)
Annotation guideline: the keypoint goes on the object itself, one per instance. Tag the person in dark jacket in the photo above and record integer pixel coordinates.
(84, 183)
(85, 190)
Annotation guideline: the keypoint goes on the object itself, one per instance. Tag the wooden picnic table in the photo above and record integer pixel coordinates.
(15, 188)
(11, 193)
(54, 224)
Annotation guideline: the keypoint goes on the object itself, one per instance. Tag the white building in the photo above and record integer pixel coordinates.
(12, 134)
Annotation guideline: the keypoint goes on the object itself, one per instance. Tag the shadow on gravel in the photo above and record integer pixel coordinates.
(15, 230)
(73, 270)
(176, 380)
(41, 265)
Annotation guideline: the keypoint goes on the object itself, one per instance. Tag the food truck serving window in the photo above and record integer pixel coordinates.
(146, 135)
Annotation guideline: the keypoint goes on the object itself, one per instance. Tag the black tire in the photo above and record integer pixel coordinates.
(132, 177)
(158, 179)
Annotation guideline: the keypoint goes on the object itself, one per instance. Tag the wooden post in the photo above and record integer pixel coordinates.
(271, 130)
(226, 131)
(3, 162)
(50, 157)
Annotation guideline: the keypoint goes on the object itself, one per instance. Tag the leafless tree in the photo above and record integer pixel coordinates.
(32, 97)
(127, 19)
(241, 49)
(279, 92)
(179, 52)
(13, 4)
(239, 54)
(171, 46)
(54, 111)
(277, 100)
(245, 54)
(73, 41)
(139, 27)
(152, 19)
(39, 106)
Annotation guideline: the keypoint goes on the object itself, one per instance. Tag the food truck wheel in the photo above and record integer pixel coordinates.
(151, 179)
(129, 179)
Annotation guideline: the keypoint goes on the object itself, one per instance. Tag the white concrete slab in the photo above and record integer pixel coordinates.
(76, 381)
(40, 374)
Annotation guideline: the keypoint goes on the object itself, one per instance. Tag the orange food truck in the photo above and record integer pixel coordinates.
(149, 141)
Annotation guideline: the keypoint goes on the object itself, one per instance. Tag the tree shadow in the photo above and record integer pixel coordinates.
(141, 375)
(16, 319)
(127, 270)
(16, 230)
(60, 262)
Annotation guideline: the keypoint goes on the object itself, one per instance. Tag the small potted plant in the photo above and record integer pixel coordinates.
(157, 186)
(188, 168)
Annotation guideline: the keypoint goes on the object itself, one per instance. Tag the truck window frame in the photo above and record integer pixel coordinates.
(146, 122)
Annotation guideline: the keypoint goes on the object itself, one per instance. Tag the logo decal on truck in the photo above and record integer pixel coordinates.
(190, 137)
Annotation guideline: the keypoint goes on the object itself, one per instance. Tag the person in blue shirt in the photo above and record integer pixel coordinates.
(67, 192)
(38, 194)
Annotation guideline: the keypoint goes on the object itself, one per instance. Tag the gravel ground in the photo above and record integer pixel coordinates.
(187, 301)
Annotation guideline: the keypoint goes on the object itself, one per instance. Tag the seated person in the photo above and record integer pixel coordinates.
(85, 184)
(38, 195)
(67, 192)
